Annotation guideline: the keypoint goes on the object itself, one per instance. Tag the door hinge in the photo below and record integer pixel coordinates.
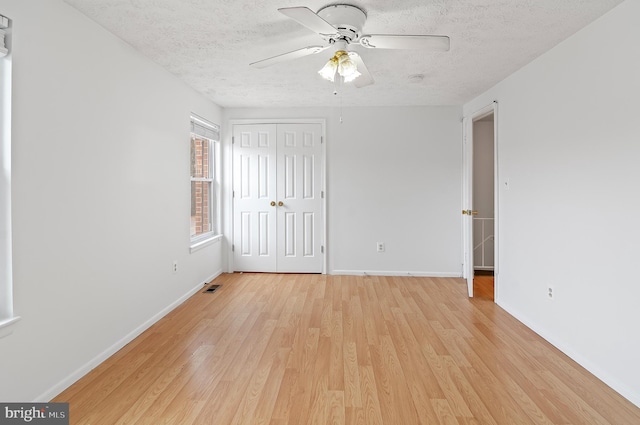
(233, 140)
(322, 194)
(321, 139)
(233, 193)
(322, 249)
(233, 248)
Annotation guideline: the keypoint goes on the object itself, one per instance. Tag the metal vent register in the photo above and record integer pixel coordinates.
(211, 289)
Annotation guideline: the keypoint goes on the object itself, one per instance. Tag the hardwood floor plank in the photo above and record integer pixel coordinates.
(91, 402)
(295, 349)
(302, 396)
(336, 414)
(352, 396)
(266, 404)
(216, 405)
(285, 395)
(384, 387)
(472, 400)
(450, 340)
(610, 405)
(446, 381)
(421, 381)
(336, 360)
(443, 412)
(254, 390)
(512, 377)
(151, 405)
(319, 400)
(371, 408)
(483, 287)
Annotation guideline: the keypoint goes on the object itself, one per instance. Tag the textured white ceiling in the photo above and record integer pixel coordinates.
(210, 43)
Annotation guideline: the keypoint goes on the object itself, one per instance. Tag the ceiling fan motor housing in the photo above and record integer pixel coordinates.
(347, 19)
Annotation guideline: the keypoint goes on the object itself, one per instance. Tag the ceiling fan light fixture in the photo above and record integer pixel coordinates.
(347, 68)
(343, 64)
(328, 71)
(349, 78)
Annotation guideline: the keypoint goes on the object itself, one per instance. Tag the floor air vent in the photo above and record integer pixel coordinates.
(211, 289)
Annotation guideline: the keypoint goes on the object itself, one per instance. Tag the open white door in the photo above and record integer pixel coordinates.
(468, 211)
(467, 203)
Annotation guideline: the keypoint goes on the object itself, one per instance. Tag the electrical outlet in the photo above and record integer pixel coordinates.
(380, 246)
(175, 267)
(550, 292)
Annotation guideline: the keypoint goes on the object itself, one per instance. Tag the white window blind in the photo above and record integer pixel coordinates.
(6, 277)
(4, 24)
(205, 129)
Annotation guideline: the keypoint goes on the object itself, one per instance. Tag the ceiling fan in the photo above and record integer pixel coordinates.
(340, 25)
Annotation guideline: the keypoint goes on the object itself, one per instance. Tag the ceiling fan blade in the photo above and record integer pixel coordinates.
(311, 50)
(309, 19)
(365, 78)
(436, 43)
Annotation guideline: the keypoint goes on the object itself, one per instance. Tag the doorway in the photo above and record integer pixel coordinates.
(278, 198)
(480, 201)
(483, 204)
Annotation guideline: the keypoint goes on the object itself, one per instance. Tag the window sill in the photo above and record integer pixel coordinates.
(6, 326)
(197, 246)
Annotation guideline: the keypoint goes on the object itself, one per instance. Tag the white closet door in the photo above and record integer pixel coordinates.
(299, 180)
(254, 190)
(278, 223)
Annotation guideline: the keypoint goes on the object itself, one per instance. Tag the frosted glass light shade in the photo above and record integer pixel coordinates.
(346, 66)
(328, 71)
(349, 78)
(343, 64)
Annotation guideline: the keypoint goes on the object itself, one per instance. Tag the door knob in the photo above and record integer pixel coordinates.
(273, 203)
(469, 212)
(280, 204)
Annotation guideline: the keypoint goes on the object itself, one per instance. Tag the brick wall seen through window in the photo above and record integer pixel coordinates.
(201, 186)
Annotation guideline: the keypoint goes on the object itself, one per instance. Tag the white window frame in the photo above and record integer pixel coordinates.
(206, 130)
(7, 317)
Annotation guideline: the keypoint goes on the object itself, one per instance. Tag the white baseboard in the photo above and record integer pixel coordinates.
(393, 273)
(213, 276)
(624, 390)
(93, 363)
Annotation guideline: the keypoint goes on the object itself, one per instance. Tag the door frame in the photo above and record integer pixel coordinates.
(228, 187)
(467, 196)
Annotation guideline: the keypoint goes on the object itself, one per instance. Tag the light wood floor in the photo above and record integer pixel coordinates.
(313, 349)
(483, 286)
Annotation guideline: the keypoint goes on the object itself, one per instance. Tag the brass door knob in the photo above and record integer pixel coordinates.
(273, 203)
(280, 204)
(469, 212)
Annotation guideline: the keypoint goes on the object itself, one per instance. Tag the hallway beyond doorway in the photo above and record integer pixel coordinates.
(483, 285)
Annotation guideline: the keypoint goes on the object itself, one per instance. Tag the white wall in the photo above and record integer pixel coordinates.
(394, 176)
(100, 197)
(569, 145)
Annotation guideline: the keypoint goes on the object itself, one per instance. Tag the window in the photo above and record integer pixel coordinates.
(6, 279)
(204, 136)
